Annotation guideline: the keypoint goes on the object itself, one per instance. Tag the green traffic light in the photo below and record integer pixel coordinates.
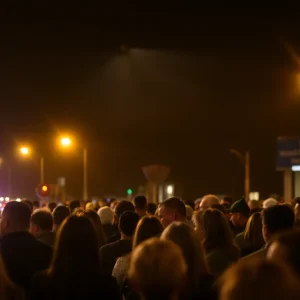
(129, 191)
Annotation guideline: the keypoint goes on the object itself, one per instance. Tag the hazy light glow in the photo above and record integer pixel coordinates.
(24, 150)
(6, 198)
(44, 188)
(18, 199)
(170, 189)
(65, 141)
(1, 199)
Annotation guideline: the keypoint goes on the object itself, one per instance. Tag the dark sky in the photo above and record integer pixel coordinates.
(194, 84)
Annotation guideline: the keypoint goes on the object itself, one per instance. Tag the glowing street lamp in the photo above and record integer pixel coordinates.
(24, 151)
(66, 142)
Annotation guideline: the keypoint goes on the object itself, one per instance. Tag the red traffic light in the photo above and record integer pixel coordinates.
(43, 190)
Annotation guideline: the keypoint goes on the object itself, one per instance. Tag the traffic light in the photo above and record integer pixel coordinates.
(43, 190)
(129, 192)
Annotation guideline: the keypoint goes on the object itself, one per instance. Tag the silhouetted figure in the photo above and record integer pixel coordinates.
(22, 254)
(60, 213)
(41, 225)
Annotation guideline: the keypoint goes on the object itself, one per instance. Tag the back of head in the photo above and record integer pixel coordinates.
(244, 281)
(253, 231)
(42, 219)
(208, 201)
(217, 231)
(186, 238)
(140, 202)
(90, 206)
(253, 204)
(123, 206)
(29, 203)
(106, 215)
(74, 204)
(157, 268)
(289, 243)
(227, 200)
(151, 208)
(269, 203)
(95, 219)
(189, 212)
(176, 205)
(147, 227)
(51, 206)
(36, 204)
(76, 249)
(60, 213)
(278, 218)
(128, 223)
(15, 217)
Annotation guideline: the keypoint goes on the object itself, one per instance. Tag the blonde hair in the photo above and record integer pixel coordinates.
(259, 280)
(158, 268)
(186, 238)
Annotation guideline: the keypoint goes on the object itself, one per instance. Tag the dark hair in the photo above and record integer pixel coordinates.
(123, 206)
(51, 206)
(277, 218)
(219, 207)
(140, 202)
(128, 222)
(36, 203)
(228, 199)
(60, 213)
(43, 219)
(74, 204)
(151, 208)
(191, 204)
(95, 219)
(291, 241)
(146, 228)
(29, 203)
(253, 232)
(76, 249)
(217, 232)
(18, 213)
(175, 204)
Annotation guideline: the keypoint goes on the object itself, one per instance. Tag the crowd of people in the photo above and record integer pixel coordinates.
(208, 249)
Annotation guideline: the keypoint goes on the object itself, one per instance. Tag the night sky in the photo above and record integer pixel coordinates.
(192, 85)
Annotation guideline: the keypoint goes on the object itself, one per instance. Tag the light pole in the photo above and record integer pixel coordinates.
(26, 151)
(245, 161)
(66, 143)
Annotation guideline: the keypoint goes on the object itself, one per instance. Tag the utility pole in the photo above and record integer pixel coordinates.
(245, 161)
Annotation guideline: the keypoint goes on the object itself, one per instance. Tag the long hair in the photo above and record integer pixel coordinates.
(95, 219)
(253, 232)
(76, 249)
(217, 233)
(186, 238)
(147, 227)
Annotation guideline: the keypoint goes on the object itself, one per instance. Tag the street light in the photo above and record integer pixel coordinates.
(25, 151)
(66, 142)
(245, 161)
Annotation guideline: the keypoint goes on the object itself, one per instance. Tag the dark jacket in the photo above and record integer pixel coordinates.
(47, 238)
(111, 252)
(23, 256)
(76, 286)
(109, 231)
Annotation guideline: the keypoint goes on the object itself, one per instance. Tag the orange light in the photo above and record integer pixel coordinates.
(44, 188)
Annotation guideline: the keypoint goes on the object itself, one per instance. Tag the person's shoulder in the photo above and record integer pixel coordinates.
(109, 246)
(259, 254)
